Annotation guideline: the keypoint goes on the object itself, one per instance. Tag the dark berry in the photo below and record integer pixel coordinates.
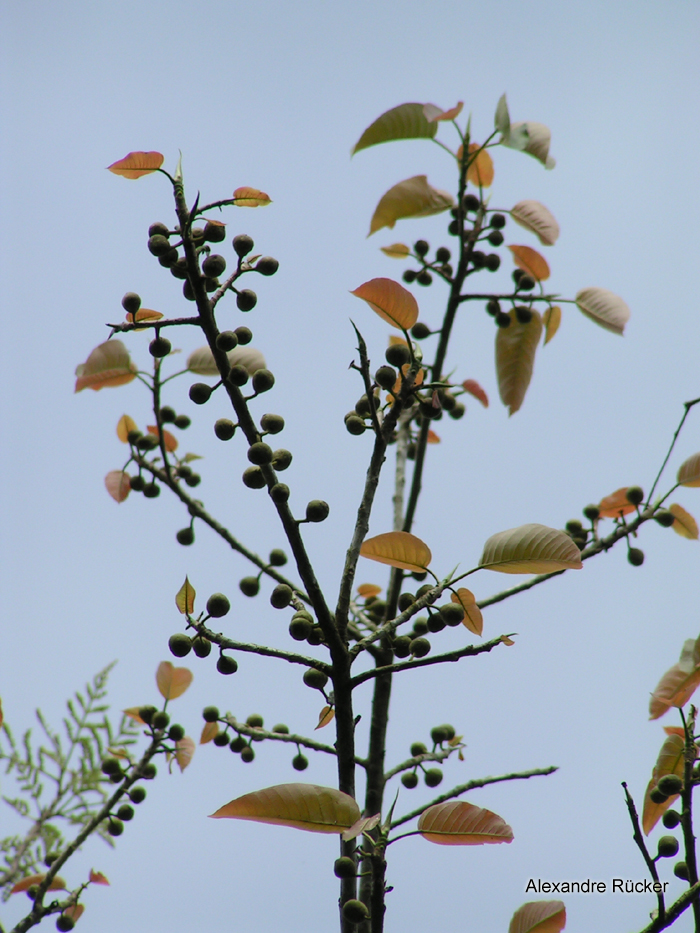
(433, 777)
(115, 827)
(495, 238)
(247, 754)
(253, 478)
(281, 459)
(272, 424)
(226, 664)
(354, 911)
(315, 678)
(591, 512)
(137, 483)
(635, 495)
(421, 247)
(344, 867)
(131, 302)
(635, 556)
(317, 510)
(263, 380)
(266, 265)
(224, 429)
(409, 276)
(420, 647)
(160, 347)
(498, 221)
(503, 319)
(246, 299)
(214, 232)
(299, 628)
(215, 265)
(226, 341)
(281, 596)
(238, 376)
(158, 245)
(424, 278)
(201, 646)
(137, 795)
(664, 517)
(355, 425)
(244, 334)
(523, 314)
(442, 254)
(185, 536)
(300, 762)
(493, 262)
(182, 422)
(279, 492)
(385, 377)
(420, 331)
(210, 714)
(200, 393)
(526, 283)
(243, 244)
(151, 490)
(249, 586)
(397, 354)
(409, 779)
(260, 453)
(180, 644)
(470, 203)
(667, 846)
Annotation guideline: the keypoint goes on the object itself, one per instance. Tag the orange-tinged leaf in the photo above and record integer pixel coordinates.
(433, 113)
(125, 424)
(398, 549)
(684, 524)
(671, 760)
(108, 365)
(184, 600)
(407, 121)
(396, 250)
(96, 877)
(457, 823)
(302, 806)
(675, 730)
(413, 197)
(395, 340)
(551, 320)
(170, 441)
(136, 164)
(363, 825)
(679, 682)
(404, 369)
(144, 314)
(433, 438)
(535, 217)
(473, 619)
(368, 589)
(172, 681)
(530, 261)
(616, 504)
(530, 548)
(391, 301)
(250, 197)
(507, 641)
(117, 483)
(473, 388)
(539, 917)
(326, 716)
(57, 883)
(209, 732)
(689, 471)
(480, 171)
(516, 347)
(75, 911)
(184, 750)
(133, 713)
(604, 307)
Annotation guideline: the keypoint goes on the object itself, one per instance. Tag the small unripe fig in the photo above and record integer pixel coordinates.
(249, 586)
(355, 911)
(405, 600)
(498, 221)
(210, 714)
(424, 278)
(263, 380)
(226, 664)
(355, 425)
(667, 847)
(420, 331)
(442, 254)
(680, 870)
(299, 628)
(175, 733)
(526, 283)
(238, 744)
(458, 411)
(315, 636)
(260, 453)
(635, 495)
(247, 754)
(300, 762)
(137, 483)
(255, 721)
(185, 536)
(149, 771)
(244, 334)
(397, 354)
(409, 779)
(214, 233)
(420, 647)
(160, 347)
(591, 512)
(493, 306)
(246, 299)
(439, 734)
(253, 478)
(432, 777)
(658, 796)
(663, 517)
(470, 202)
(200, 393)
(503, 319)
(147, 442)
(420, 625)
(180, 644)
(418, 748)
(452, 613)
(64, 923)
(224, 429)
(279, 492)
(281, 596)
(281, 729)
(315, 678)
(495, 238)
(272, 424)
(179, 268)
(523, 314)
(137, 795)
(671, 819)
(492, 262)
(131, 302)
(243, 244)
(214, 266)
(385, 377)
(281, 459)
(198, 235)
(218, 605)
(635, 556)
(344, 867)
(182, 422)
(317, 510)
(421, 248)
(266, 265)
(409, 276)
(238, 376)
(220, 740)
(574, 526)
(436, 623)
(160, 720)
(227, 340)
(402, 646)
(453, 228)
(670, 784)
(111, 766)
(158, 245)
(201, 646)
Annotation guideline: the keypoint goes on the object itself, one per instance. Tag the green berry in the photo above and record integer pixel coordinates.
(238, 376)
(492, 262)
(670, 784)
(458, 411)
(420, 331)
(470, 203)
(214, 266)
(385, 377)
(317, 510)
(253, 478)
(355, 425)
(495, 238)
(115, 827)
(64, 923)
(281, 729)
(439, 734)
(279, 492)
(663, 517)
(277, 557)
(397, 354)
(657, 796)
(263, 380)
(526, 283)
(635, 495)
(281, 459)
(147, 712)
(574, 527)
(671, 819)
(246, 299)
(272, 424)
(180, 644)
(244, 334)
(442, 254)
(344, 867)
(220, 739)
(224, 429)
(523, 314)
(158, 245)
(260, 453)
(409, 779)
(405, 600)
(243, 244)
(281, 596)
(137, 483)
(226, 341)
(355, 911)
(432, 777)
(402, 646)
(247, 754)
(137, 794)
(409, 276)
(149, 771)
(436, 623)
(238, 744)
(420, 647)
(680, 870)
(421, 248)
(424, 278)
(131, 302)
(591, 512)
(503, 319)
(635, 556)
(214, 232)
(452, 613)
(210, 714)
(193, 479)
(315, 636)
(498, 221)
(299, 628)
(218, 605)
(125, 811)
(249, 586)
(201, 646)
(315, 678)
(200, 393)
(226, 664)
(300, 762)
(667, 847)
(182, 422)
(255, 721)
(266, 265)
(420, 625)
(185, 536)
(418, 748)
(160, 720)
(151, 490)
(111, 766)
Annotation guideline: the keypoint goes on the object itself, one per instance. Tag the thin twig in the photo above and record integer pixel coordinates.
(641, 845)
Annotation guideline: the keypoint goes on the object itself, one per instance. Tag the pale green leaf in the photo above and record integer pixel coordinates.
(530, 548)
(407, 121)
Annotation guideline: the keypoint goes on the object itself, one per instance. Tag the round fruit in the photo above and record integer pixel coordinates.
(115, 827)
(260, 453)
(238, 376)
(355, 911)
(493, 262)
(657, 796)
(432, 777)
(210, 714)
(420, 248)
(249, 586)
(503, 319)
(670, 784)
(680, 870)
(64, 923)
(158, 245)
(281, 459)
(247, 754)
(418, 748)
(439, 734)
(397, 354)
(667, 847)
(243, 244)
(218, 605)
(277, 557)
(279, 492)
(458, 411)
(214, 232)
(299, 628)
(315, 678)
(385, 377)
(420, 625)
(424, 278)
(263, 380)
(409, 779)
(160, 720)
(185, 536)
(664, 517)
(255, 721)
(281, 596)
(420, 331)
(246, 299)
(671, 819)
(201, 646)
(137, 483)
(635, 495)
(355, 425)
(214, 266)
(180, 644)
(420, 647)
(405, 600)
(526, 283)
(253, 478)
(635, 556)
(182, 422)
(493, 306)
(523, 314)
(317, 510)
(409, 276)
(220, 739)
(111, 766)
(453, 228)
(452, 613)
(344, 867)
(442, 254)
(226, 341)
(281, 729)
(402, 646)
(470, 202)
(224, 429)
(149, 771)
(498, 221)
(238, 744)
(272, 424)
(160, 347)
(591, 512)
(300, 762)
(200, 393)
(244, 334)
(179, 268)
(436, 623)
(146, 713)
(226, 664)
(137, 795)
(495, 238)
(266, 265)
(131, 302)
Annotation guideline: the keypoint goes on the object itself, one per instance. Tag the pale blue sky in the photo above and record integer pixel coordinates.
(275, 95)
